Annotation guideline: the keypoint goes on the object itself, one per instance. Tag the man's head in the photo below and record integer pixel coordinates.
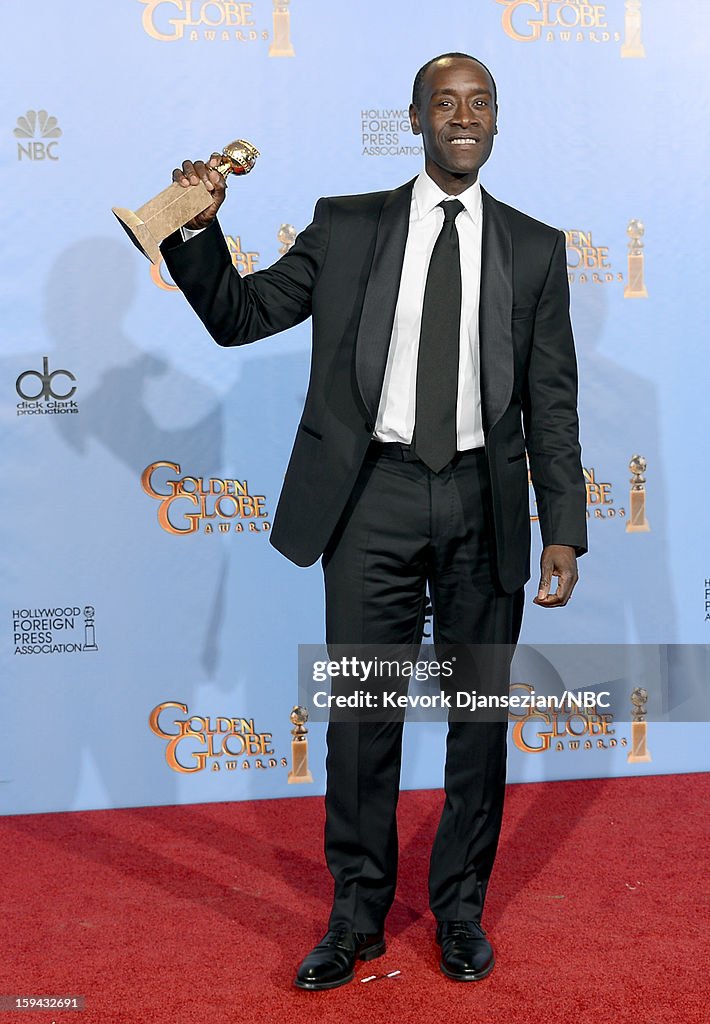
(454, 108)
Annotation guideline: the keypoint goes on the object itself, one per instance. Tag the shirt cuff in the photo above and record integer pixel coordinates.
(188, 233)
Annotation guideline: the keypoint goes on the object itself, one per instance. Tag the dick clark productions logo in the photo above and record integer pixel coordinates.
(46, 391)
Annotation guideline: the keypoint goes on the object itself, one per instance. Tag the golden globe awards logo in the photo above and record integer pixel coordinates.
(600, 502)
(227, 21)
(387, 132)
(600, 499)
(34, 128)
(245, 261)
(574, 21)
(587, 262)
(539, 731)
(195, 743)
(591, 263)
(192, 504)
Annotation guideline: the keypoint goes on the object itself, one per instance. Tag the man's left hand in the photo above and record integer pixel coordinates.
(556, 560)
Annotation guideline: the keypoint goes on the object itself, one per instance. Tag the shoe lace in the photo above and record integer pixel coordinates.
(335, 937)
(465, 928)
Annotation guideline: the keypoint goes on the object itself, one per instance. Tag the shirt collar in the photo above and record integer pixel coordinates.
(427, 196)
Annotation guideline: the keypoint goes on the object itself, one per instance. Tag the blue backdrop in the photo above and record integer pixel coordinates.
(106, 371)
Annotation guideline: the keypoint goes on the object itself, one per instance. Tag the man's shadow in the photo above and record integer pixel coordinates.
(242, 605)
(624, 594)
(134, 408)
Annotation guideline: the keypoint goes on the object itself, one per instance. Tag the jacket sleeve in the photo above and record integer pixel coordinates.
(550, 414)
(237, 310)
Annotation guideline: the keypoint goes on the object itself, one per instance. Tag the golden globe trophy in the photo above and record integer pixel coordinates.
(287, 236)
(635, 287)
(639, 726)
(299, 746)
(172, 208)
(281, 45)
(637, 522)
(632, 45)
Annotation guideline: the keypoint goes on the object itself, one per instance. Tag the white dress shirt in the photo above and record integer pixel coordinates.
(397, 409)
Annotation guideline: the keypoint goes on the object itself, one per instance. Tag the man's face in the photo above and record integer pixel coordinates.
(456, 118)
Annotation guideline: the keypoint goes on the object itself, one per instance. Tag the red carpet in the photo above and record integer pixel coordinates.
(598, 912)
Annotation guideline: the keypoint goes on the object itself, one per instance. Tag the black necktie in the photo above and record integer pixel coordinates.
(438, 362)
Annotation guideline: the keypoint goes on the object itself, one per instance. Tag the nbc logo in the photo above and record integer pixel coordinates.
(35, 126)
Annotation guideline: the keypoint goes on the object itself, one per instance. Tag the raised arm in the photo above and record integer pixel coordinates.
(238, 310)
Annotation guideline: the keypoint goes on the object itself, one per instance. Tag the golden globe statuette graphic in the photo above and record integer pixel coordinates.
(299, 746)
(635, 288)
(287, 236)
(637, 522)
(89, 629)
(632, 45)
(281, 45)
(639, 727)
(172, 208)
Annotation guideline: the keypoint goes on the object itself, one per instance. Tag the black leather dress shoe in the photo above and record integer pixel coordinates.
(332, 961)
(466, 953)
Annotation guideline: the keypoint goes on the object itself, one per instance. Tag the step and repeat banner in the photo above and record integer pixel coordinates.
(149, 631)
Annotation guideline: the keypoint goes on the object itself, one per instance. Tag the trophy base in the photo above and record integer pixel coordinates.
(633, 51)
(638, 758)
(631, 294)
(638, 528)
(292, 777)
(149, 225)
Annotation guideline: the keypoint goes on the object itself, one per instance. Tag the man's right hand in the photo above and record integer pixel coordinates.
(192, 174)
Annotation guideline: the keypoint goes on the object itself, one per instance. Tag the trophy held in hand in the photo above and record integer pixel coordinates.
(175, 206)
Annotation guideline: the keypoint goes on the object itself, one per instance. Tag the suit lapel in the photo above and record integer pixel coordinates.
(379, 304)
(495, 313)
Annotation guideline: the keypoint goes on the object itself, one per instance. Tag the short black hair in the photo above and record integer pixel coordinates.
(419, 77)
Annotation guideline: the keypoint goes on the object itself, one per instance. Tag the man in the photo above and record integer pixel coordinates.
(442, 350)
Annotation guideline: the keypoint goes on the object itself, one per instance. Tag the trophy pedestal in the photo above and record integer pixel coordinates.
(637, 522)
(635, 289)
(639, 751)
(162, 215)
(281, 45)
(299, 760)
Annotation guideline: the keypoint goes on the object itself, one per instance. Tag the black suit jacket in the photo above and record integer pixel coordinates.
(344, 271)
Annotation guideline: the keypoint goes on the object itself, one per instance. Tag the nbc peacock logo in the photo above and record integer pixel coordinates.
(38, 132)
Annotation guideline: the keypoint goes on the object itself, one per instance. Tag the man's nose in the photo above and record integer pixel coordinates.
(465, 117)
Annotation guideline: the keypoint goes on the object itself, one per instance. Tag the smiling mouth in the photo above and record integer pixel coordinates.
(463, 141)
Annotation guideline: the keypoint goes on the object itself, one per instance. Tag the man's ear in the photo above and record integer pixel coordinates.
(414, 120)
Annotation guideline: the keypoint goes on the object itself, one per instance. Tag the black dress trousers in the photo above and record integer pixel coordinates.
(405, 527)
